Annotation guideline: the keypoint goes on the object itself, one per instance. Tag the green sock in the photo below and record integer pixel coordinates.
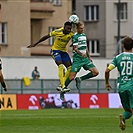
(67, 82)
(87, 76)
(127, 115)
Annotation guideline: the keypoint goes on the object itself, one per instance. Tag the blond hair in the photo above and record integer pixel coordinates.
(80, 23)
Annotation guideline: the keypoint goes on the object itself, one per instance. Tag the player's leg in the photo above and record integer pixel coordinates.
(56, 54)
(122, 116)
(93, 71)
(68, 64)
(67, 73)
(88, 65)
(131, 103)
(76, 66)
(70, 78)
(126, 103)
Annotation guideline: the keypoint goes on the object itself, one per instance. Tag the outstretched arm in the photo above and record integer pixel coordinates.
(40, 40)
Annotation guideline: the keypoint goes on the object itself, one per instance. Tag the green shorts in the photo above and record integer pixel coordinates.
(78, 63)
(127, 98)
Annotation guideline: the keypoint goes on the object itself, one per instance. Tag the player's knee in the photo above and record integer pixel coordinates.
(95, 73)
(0, 75)
(72, 77)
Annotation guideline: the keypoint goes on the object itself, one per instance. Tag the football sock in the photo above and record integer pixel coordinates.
(67, 74)
(67, 82)
(87, 76)
(61, 74)
(127, 115)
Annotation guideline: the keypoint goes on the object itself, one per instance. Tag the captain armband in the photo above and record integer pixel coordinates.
(111, 67)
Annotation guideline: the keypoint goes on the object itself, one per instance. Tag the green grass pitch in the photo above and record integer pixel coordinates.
(63, 121)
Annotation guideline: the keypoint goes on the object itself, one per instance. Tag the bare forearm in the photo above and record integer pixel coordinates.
(42, 39)
(1, 78)
(106, 77)
(77, 51)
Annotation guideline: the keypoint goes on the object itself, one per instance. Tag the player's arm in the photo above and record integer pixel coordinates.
(2, 81)
(75, 47)
(107, 75)
(88, 54)
(40, 40)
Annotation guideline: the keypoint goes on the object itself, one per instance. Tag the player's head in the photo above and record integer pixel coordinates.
(80, 27)
(128, 43)
(35, 67)
(67, 27)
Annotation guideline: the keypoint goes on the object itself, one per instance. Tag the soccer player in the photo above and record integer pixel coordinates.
(58, 51)
(124, 64)
(81, 57)
(2, 78)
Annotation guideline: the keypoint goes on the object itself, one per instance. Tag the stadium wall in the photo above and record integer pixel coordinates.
(19, 67)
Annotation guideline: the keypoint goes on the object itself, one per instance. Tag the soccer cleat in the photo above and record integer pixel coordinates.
(122, 122)
(78, 83)
(65, 89)
(59, 88)
(62, 96)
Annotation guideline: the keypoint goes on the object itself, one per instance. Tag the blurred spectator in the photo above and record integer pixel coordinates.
(35, 73)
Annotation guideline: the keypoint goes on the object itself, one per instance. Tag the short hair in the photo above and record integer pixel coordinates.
(79, 24)
(128, 43)
(67, 23)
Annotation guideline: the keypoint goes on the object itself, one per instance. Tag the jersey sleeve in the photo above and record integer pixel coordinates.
(53, 33)
(112, 65)
(75, 40)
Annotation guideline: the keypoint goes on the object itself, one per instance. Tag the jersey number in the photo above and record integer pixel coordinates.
(127, 67)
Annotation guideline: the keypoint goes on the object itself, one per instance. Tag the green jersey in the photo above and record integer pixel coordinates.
(81, 41)
(124, 64)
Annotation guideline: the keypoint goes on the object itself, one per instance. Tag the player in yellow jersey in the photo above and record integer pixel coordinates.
(58, 52)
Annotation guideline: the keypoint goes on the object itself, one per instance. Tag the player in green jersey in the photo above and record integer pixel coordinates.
(81, 58)
(124, 64)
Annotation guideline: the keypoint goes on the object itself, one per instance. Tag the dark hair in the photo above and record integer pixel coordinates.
(128, 43)
(68, 23)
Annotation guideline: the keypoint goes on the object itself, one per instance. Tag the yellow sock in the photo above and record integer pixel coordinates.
(67, 74)
(61, 74)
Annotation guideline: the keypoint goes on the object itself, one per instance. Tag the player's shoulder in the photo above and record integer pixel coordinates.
(59, 29)
(75, 34)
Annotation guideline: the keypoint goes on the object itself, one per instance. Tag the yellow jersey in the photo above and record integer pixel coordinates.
(61, 39)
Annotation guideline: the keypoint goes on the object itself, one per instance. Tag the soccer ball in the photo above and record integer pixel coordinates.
(74, 19)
